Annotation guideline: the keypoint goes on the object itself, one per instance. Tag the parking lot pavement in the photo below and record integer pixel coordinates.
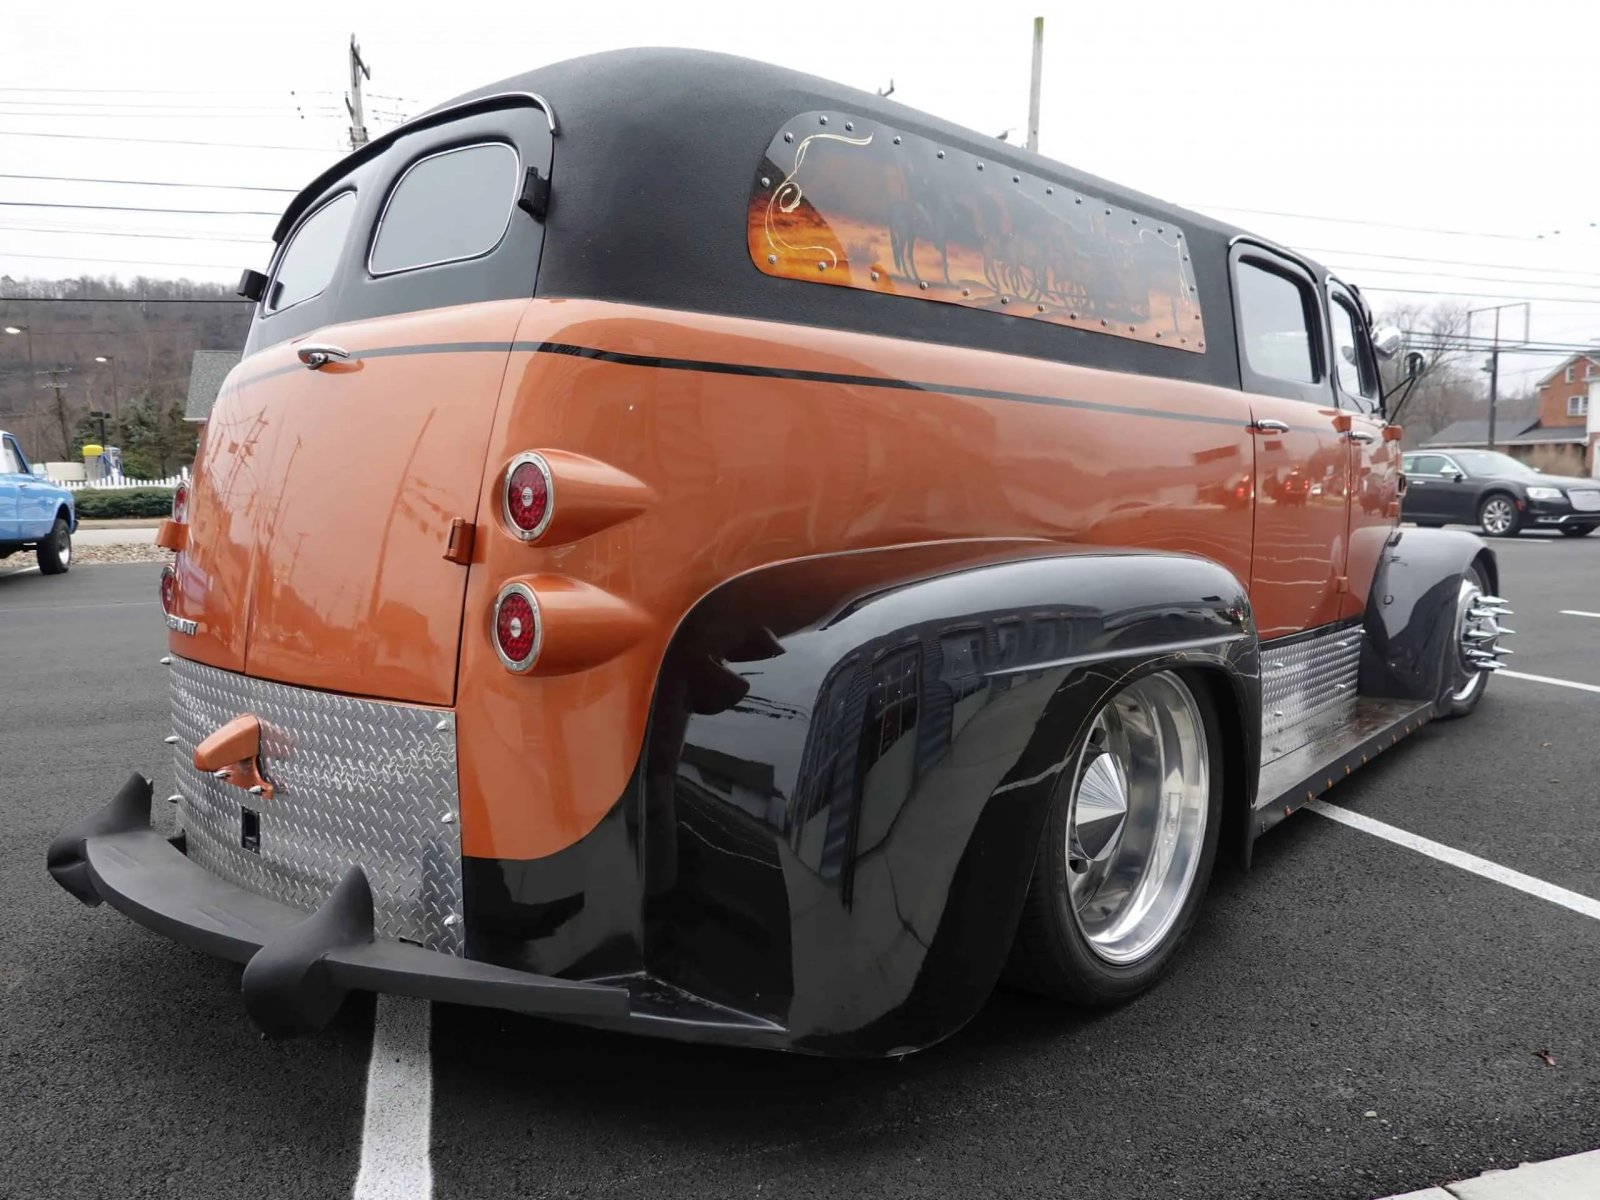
(1350, 1019)
(130, 1068)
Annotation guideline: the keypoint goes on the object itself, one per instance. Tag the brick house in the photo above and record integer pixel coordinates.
(1564, 393)
(1550, 432)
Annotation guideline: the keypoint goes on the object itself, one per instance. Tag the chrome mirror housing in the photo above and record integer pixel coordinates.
(1386, 341)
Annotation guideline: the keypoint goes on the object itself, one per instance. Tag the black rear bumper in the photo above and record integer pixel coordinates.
(298, 967)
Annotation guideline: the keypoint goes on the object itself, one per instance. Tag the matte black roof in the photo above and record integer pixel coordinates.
(653, 166)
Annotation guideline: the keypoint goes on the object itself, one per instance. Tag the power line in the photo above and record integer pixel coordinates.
(1269, 212)
(1349, 270)
(121, 300)
(137, 262)
(1480, 295)
(101, 137)
(174, 91)
(90, 231)
(1449, 262)
(179, 116)
(176, 105)
(227, 187)
(198, 212)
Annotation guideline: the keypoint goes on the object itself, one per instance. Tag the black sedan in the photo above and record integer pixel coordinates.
(1495, 492)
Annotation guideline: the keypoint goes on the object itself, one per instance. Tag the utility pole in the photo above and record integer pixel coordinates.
(61, 408)
(1494, 356)
(1033, 89)
(352, 102)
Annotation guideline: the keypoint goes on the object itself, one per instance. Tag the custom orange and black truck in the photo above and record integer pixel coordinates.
(694, 549)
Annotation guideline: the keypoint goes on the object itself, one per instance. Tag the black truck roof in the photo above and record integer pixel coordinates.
(653, 164)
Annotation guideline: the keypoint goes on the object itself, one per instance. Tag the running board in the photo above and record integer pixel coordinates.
(1332, 746)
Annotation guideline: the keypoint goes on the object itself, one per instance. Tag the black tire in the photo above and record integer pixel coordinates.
(1577, 530)
(1450, 706)
(1051, 956)
(1484, 520)
(55, 552)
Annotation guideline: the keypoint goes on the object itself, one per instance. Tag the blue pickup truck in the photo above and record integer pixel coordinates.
(33, 511)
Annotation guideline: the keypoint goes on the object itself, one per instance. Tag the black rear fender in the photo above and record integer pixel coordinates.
(851, 758)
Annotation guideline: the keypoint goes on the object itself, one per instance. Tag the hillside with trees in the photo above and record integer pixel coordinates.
(146, 330)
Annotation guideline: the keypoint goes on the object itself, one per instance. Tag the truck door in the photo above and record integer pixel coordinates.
(1374, 460)
(12, 478)
(1302, 461)
(355, 430)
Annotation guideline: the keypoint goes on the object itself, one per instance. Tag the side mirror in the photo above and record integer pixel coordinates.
(38, 470)
(1459, 477)
(1387, 340)
(1414, 364)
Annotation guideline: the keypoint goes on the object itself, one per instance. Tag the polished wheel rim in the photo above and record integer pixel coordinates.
(1137, 822)
(64, 549)
(1497, 515)
(1478, 632)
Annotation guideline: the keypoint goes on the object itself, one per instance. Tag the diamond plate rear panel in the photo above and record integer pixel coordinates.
(1304, 680)
(356, 782)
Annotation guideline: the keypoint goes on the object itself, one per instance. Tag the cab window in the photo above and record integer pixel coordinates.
(309, 261)
(1274, 325)
(12, 460)
(447, 208)
(1353, 363)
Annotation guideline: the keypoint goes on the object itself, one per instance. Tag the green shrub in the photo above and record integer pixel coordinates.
(101, 505)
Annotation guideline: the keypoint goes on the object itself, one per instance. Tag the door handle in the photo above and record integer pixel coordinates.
(1269, 425)
(1361, 436)
(319, 354)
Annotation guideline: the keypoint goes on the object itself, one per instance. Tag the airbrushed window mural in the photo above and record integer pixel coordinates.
(848, 202)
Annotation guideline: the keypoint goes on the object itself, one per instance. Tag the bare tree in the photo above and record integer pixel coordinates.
(1449, 386)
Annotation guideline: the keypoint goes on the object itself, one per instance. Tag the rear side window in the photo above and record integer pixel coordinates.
(11, 461)
(312, 255)
(447, 208)
(1273, 325)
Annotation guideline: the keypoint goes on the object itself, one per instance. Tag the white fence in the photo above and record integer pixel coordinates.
(117, 481)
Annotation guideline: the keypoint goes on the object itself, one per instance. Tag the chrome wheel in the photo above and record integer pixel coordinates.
(1497, 516)
(64, 548)
(1136, 828)
(1477, 642)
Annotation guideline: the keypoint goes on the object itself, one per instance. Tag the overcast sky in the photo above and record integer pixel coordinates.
(1474, 118)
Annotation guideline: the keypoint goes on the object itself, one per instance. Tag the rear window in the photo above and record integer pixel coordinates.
(312, 254)
(447, 208)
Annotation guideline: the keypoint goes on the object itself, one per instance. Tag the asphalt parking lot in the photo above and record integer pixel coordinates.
(1349, 1019)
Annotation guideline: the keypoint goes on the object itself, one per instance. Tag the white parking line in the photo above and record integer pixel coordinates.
(1578, 903)
(1566, 683)
(1573, 612)
(1574, 1176)
(396, 1132)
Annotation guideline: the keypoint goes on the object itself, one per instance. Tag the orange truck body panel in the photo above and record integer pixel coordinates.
(325, 502)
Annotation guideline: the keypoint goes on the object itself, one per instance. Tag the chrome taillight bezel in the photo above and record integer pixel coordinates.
(180, 503)
(517, 666)
(528, 457)
(167, 572)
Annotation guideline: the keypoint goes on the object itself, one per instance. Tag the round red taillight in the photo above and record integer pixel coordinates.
(529, 500)
(169, 590)
(517, 633)
(180, 502)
